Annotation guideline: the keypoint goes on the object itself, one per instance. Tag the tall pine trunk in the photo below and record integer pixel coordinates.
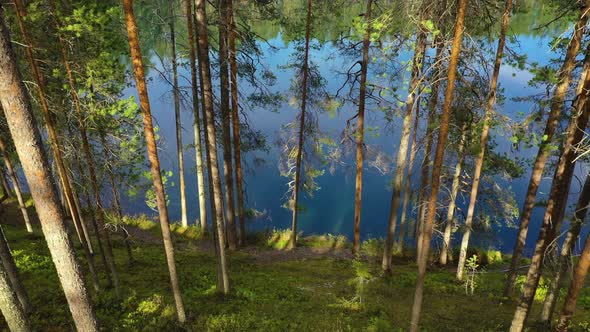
(226, 127)
(445, 253)
(16, 185)
(197, 121)
(581, 269)
(236, 122)
(484, 139)
(12, 273)
(300, 141)
(402, 153)
(179, 149)
(360, 132)
(29, 147)
(545, 146)
(428, 225)
(153, 154)
(204, 65)
(557, 201)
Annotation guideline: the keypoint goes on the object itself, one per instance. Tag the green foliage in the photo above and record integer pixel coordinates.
(541, 289)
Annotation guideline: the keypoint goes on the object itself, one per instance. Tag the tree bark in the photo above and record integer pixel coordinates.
(484, 139)
(408, 184)
(402, 154)
(581, 270)
(5, 186)
(304, 87)
(204, 65)
(153, 154)
(48, 119)
(197, 121)
(29, 147)
(116, 198)
(228, 172)
(544, 148)
(14, 301)
(446, 249)
(16, 185)
(103, 232)
(179, 149)
(437, 166)
(429, 138)
(360, 134)
(565, 254)
(558, 195)
(236, 122)
(12, 272)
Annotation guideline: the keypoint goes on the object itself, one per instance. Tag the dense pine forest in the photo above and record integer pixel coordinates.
(294, 165)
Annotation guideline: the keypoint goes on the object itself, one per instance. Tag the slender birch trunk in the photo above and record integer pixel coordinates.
(179, 149)
(446, 249)
(150, 138)
(437, 166)
(197, 120)
(360, 134)
(29, 147)
(236, 122)
(544, 148)
(402, 153)
(16, 185)
(204, 65)
(429, 138)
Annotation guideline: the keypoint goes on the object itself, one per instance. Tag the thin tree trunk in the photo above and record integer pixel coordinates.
(12, 272)
(153, 154)
(15, 183)
(429, 138)
(402, 153)
(581, 270)
(437, 166)
(49, 123)
(82, 221)
(484, 140)
(408, 184)
(446, 249)
(103, 232)
(204, 65)
(29, 147)
(179, 149)
(565, 254)
(544, 148)
(360, 134)
(226, 126)
(557, 201)
(197, 120)
(14, 301)
(5, 186)
(116, 199)
(236, 122)
(305, 72)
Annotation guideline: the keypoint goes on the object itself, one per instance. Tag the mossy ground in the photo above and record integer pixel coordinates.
(288, 291)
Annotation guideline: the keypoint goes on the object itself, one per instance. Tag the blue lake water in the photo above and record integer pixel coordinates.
(331, 209)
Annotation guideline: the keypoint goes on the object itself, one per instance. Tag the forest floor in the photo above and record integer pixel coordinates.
(317, 287)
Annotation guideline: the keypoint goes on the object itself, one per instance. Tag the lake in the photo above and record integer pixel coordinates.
(331, 208)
